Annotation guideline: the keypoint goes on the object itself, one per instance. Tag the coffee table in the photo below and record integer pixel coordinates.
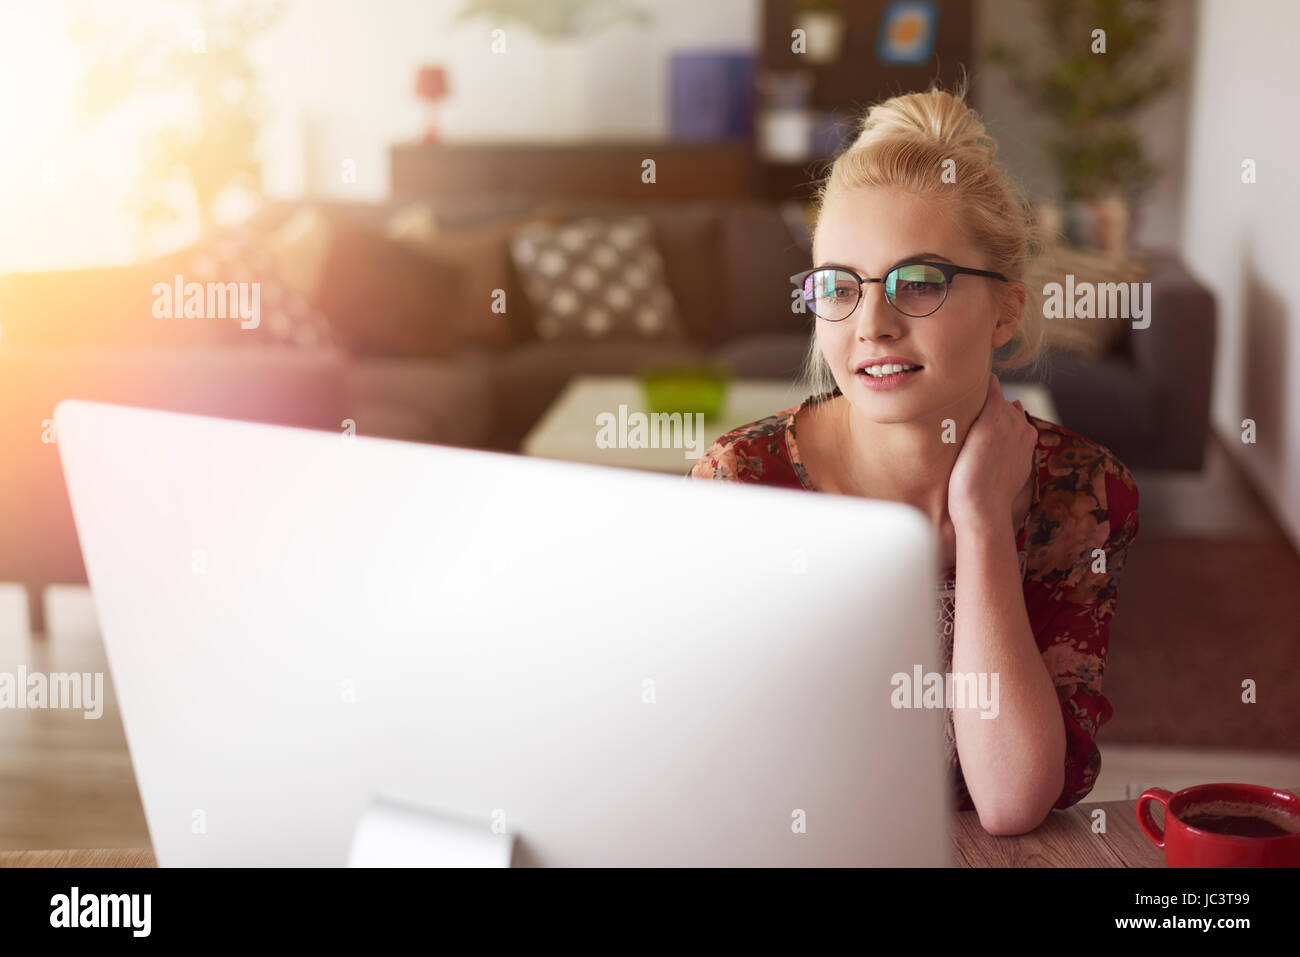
(568, 430)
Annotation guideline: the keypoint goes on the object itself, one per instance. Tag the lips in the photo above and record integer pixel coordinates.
(885, 370)
(891, 372)
(887, 366)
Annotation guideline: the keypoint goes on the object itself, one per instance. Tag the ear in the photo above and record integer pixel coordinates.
(1010, 307)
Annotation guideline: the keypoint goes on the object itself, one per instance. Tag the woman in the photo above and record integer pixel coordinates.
(921, 250)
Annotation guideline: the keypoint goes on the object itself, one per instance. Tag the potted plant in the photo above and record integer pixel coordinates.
(1094, 71)
(555, 19)
(194, 163)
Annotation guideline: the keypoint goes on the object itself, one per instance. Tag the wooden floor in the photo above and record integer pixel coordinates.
(66, 782)
(1216, 502)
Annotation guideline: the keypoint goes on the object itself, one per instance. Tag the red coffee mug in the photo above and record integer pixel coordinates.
(1187, 846)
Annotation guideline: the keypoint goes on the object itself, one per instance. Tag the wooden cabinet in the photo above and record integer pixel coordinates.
(592, 170)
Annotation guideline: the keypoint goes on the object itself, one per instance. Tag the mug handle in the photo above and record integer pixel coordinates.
(1145, 821)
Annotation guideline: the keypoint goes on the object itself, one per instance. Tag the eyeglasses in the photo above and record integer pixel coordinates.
(915, 289)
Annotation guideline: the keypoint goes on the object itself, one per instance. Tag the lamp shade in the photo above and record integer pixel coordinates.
(431, 83)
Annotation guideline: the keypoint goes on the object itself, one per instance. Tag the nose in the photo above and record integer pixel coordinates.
(873, 316)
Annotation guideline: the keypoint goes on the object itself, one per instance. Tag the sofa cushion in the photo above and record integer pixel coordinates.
(689, 237)
(1105, 400)
(384, 298)
(481, 257)
(240, 255)
(300, 244)
(595, 277)
(777, 355)
(760, 254)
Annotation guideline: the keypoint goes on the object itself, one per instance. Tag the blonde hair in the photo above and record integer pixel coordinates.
(905, 143)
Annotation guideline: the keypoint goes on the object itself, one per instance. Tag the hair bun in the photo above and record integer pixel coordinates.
(935, 117)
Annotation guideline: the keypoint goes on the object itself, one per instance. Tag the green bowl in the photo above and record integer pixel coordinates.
(686, 389)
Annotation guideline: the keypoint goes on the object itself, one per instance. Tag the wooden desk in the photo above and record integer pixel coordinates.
(94, 857)
(1064, 840)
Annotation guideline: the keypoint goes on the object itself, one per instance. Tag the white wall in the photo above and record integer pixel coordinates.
(354, 99)
(1241, 238)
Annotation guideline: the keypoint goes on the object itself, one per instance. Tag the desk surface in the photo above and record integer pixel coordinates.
(93, 857)
(1065, 839)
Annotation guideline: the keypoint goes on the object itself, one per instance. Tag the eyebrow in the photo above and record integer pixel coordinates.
(912, 258)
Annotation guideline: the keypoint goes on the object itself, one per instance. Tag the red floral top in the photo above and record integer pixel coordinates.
(1084, 499)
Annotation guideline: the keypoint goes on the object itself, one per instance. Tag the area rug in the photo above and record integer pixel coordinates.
(1196, 618)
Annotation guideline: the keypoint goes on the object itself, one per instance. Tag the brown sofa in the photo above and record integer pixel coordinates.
(1147, 399)
(728, 266)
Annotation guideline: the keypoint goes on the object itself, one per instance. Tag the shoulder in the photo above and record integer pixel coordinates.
(1087, 500)
(754, 452)
(1073, 466)
(760, 451)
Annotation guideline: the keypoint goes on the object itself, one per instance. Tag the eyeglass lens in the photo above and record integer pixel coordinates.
(913, 289)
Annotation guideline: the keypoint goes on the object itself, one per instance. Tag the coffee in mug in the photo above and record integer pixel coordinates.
(1240, 819)
(1224, 825)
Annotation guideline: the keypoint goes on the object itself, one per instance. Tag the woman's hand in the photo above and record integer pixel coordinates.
(993, 464)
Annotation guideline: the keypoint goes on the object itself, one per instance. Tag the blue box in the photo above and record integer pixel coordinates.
(712, 96)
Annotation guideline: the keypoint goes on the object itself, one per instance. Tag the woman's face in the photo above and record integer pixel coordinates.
(871, 231)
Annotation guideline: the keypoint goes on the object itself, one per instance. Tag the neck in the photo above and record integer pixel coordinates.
(906, 461)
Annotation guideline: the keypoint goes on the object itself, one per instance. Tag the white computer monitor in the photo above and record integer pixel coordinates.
(612, 667)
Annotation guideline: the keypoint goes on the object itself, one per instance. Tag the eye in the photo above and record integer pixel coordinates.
(917, 281)
(831, 286)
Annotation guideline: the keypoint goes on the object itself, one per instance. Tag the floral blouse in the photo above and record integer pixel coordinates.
(1084, 499)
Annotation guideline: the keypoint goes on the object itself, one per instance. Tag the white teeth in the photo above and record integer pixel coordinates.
(887, 369)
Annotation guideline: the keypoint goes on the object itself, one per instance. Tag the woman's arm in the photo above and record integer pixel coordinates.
(1014, 763)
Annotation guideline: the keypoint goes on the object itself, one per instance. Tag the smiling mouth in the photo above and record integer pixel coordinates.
(887, 370)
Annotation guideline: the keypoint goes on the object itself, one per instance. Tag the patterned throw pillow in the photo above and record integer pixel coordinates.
(595, 277)
(286, 317)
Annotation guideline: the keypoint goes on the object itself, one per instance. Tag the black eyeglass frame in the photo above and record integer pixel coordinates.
(948, 270)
